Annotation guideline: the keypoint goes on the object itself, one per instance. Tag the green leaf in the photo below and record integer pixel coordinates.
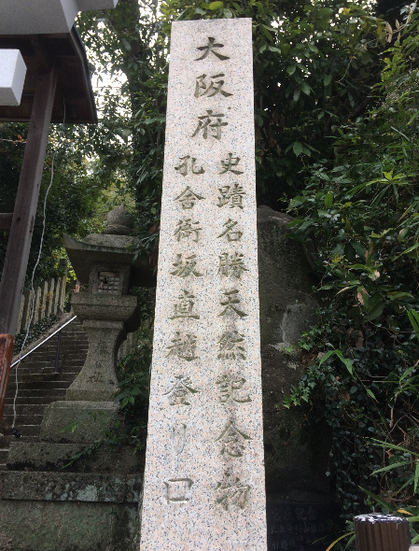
(327, 80)
(298, 148)
(416, 477)
(371, 394)
(392, 466)
(291, 69)
(305, 88)
(383, 503)
(328, 199)
(216, 6)
(346, 361)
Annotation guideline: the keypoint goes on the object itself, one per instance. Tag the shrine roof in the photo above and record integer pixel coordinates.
(74, 101)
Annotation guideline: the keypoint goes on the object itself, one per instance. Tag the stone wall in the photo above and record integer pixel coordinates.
(296, 449)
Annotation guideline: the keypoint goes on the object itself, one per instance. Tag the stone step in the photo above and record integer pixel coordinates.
(45, 383)
(37, 399)
(27, 430)
(22, 418)
(37, 409)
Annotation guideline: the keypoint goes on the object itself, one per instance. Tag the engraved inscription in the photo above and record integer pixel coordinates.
(231, 388)
(183, 346)
(178, 438)
(232, 196)
(180, 391)
(184, 307)
(231, 265)
(178, 490)
(187, 166)
(231, 346)
(232, 441)
(229, 164)
(188, 198)
(232, 493)
(211, 47)
(185, 267)
(210, 121)
(231, 233)
(230, 303)
(187, 228)
(214, 87)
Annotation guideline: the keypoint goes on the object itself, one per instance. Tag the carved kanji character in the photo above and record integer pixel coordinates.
(231, 265)
(230, 303)
(213, 88)
(186, 228)
(232, 493)
(188, 198)
(210, 120)
(181, 391)
(183, 308)
(232, 235)
(229, 163)
(183, 346)
(178, 490)
(211, 47)
(185, 267)
(231, 346)
(232, 441)
(232, 195)
(230, 388)
(187, 166)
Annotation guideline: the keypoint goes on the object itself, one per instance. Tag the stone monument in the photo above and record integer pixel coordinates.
(204, 486)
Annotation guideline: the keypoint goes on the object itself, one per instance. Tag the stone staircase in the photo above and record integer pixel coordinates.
(39, 385)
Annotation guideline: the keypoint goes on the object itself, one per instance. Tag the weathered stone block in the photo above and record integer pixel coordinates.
(91, 420)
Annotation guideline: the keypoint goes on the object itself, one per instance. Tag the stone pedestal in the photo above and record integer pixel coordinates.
(105, 319)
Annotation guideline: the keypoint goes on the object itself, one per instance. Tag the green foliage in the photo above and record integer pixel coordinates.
(362, 357)
(35, 331)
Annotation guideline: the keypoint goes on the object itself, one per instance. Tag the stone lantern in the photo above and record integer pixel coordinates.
(104, 265)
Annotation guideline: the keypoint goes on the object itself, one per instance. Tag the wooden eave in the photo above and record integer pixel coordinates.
(74, 101)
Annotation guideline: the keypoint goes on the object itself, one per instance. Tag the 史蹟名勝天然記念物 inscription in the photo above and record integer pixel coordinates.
(231, 389)
(229, 164)
(204, 464)
(232, 441)
(231, 346)
(230, 304)
(230, 231)
(232, 493)
(231, 196)
(231, 265)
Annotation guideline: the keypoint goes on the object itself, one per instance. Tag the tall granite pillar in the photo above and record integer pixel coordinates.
(204, 486)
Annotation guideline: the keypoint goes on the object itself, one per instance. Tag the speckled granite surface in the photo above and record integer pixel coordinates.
(204, 480)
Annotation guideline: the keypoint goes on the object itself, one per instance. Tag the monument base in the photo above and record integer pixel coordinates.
(76, 421)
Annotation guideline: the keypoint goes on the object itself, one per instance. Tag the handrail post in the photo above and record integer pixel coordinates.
(57, 354)
(379, 532)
